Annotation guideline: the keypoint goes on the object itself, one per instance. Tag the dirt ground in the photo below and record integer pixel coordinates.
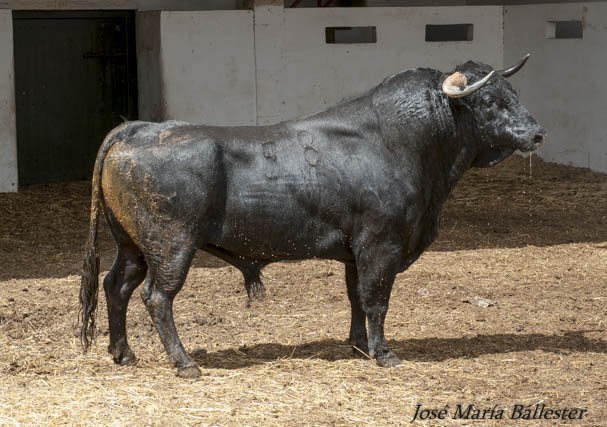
(508, 307)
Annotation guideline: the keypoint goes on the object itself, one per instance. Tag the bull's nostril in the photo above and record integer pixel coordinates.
(538, 139)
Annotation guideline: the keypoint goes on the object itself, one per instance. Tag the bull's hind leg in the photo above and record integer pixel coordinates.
(127, 272)
(358, 330)
(165, 279)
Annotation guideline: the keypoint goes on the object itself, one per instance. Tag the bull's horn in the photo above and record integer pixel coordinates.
(456, 85)
(512, 70)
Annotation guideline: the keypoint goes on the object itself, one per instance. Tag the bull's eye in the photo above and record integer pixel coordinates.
(499, 103)
(490, 101)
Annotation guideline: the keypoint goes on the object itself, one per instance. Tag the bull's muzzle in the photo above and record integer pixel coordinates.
(539, 138)
(535, 139)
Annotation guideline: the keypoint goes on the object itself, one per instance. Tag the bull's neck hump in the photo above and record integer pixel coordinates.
(419, 126)
(352, 118)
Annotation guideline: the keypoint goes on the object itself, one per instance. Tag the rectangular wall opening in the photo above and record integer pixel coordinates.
(449, 33)
(338, 35)
(564, 29)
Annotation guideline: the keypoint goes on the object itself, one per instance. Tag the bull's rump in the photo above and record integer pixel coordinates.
(264, 192)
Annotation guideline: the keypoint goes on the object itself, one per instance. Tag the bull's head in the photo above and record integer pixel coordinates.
(500, 123)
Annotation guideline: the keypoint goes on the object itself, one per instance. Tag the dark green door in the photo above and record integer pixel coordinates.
(75, 79)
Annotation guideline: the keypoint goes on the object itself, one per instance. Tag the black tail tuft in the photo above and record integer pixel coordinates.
(89, 287)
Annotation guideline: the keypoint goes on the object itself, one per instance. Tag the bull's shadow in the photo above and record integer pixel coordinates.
(413, 350)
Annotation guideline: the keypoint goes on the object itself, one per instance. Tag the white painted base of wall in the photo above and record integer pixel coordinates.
(8, 128)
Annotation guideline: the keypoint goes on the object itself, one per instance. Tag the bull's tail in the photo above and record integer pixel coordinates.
(89, 284)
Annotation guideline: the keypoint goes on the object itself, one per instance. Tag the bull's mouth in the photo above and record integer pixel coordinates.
(491, 157)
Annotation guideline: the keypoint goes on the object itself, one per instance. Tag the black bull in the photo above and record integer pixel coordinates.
(362, 183)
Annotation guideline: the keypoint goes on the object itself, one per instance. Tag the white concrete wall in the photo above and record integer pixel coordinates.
(563, 84)
(208, 67)
(246, 67)
(270, 61)
(8, 141)
(149, 70)
(315, 74)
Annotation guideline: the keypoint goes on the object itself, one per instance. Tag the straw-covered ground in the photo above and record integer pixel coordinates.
(508, 307)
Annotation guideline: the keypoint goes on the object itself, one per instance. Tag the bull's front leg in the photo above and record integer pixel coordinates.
(377, 269)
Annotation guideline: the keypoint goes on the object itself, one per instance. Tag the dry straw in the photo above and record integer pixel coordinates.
(535, 247)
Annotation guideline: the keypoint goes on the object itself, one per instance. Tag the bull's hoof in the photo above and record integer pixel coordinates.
(256, 290)
(127, 360)
(388, 360)
(191, 371)
(126, 357)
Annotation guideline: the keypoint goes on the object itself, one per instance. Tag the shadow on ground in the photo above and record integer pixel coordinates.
(414, 350)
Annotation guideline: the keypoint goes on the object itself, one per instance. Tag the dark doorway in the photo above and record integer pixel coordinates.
(75, 79)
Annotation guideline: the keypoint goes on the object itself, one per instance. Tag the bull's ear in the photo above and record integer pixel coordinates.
(459, 104)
